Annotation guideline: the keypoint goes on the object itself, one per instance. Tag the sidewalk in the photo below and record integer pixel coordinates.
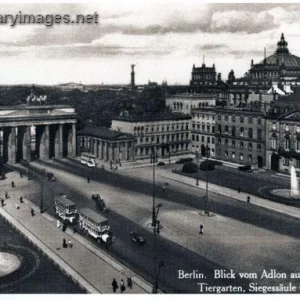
(220, 190)
(88, 265)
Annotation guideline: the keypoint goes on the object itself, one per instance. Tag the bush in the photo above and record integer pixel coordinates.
(184, 160)
(161, 163)
(189, 167)
(208, 165)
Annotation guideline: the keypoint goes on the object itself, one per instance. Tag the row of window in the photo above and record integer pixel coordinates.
(204, 117)
(204, 128)
(165, 138)
(241, 156)
(242, 119)
(148, 150)
(142, 129)
(241, 145)
(287, 128)
(241, 131)
(90, 142)
(208, 139)
(287, 144)
(287, 162)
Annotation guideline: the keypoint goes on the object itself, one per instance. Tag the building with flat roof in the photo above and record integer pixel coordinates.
(166, 134)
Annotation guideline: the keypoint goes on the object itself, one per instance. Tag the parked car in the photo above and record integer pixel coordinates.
(137, 238)
(246, 168)
(161, 163)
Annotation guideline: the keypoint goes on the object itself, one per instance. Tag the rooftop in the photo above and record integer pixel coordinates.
(154, 117)
(104, 133)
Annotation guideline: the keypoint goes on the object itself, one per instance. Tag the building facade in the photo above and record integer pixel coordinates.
(283, 142)
(240, 136)
(37, 131)
(184, 103)
(106, 144)
(203, 131)
(167, 134)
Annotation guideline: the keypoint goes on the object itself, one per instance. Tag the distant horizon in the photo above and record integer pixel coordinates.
(162, 38)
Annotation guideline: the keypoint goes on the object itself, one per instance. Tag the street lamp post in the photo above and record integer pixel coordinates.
(156, 231)
(153, 156)
(42, 191)
(197, 179)
(206, 210)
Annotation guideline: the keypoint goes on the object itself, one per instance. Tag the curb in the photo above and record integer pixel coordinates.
(51, 255)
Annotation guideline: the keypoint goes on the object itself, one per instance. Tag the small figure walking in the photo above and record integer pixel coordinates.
(122, 286)
(114, 285)
(88, 180)
(70, 244)
(111, 164)
(164, 188)
(6, 195)
(32, 212)
(129, 282)
(17, 206)
(201, 229)
(2, 202)
(21, 175)
(248, 199)
(12, 184)
(64, 243)
(239, 190)
(21, 200)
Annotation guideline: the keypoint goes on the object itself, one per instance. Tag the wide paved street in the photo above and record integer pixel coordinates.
(239, 236)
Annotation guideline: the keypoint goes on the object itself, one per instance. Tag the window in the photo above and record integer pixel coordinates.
(258, 147)
(233, 131)
(213, 129)
(259, 121)
(226, 153)
(203, 127)
(241, 119)
(212, 140)
(259, 134)
(287, 128)
(286, 161)
(250, 158)
(219, 117)
(250, 120)
(274, 143)
(298, 129)
(297, 163)
(250, 146)
(141, 140)
(287, 144)
(242, 131)
(208, 139)
(241, 145)
(202, 139)
(226, 117)
(297, 145)
(202, 117)
(226, 142)
(274, 126)
(241, 156)
(233, 144)
(233, 155)
(220, 128)
(233, 118)
(226, 129)
(208, 128)
(250, 133)
(219, 141)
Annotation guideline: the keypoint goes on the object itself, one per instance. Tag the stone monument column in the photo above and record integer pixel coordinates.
(59, 141)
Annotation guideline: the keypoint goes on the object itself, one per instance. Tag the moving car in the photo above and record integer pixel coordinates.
(137, 238)
(50, 176)
(24, 162)
(100, 203)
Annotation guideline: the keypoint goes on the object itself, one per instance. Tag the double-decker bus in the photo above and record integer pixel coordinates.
(65, 209)
(88, 159)
(95, 225)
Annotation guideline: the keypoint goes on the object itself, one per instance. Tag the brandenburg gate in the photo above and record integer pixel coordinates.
(45, 131)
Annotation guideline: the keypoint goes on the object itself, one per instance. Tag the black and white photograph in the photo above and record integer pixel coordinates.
(149, 147)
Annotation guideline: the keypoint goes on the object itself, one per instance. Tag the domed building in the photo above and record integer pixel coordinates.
(281, 67)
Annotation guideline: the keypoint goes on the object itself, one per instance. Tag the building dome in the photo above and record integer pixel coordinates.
(282, 56)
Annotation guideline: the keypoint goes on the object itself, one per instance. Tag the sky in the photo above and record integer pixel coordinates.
(162, 38)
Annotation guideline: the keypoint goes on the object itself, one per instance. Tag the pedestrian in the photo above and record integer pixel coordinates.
(201, 229)
(21, 200)
(64, 227)
(2, 202)
(88, 180)
(114, 285)
(122, 286)
(64, 243)
(32, 212)
(70, 244)
(164, 188)
(21, 175)
(239, 190)
(129, 282)
(248, 199)
(111, 164)
(12, 184)
(17, 206)
(6, 195)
